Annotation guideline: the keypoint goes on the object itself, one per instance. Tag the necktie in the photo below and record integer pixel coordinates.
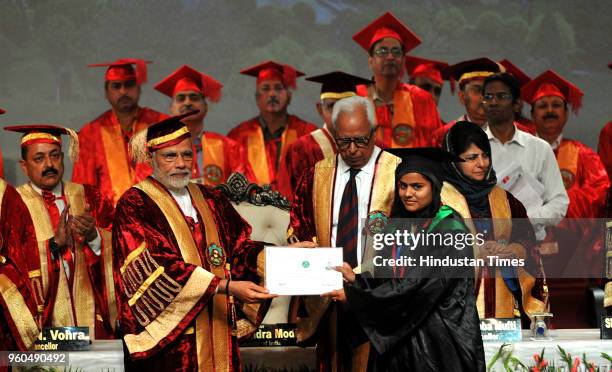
(348, 220)
(54, 215)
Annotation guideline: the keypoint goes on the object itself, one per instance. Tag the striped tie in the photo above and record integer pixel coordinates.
(348, 220)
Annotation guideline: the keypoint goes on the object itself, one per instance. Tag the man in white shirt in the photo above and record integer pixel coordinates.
(330, 201)
(525, 165)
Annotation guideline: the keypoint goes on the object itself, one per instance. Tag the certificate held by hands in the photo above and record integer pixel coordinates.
(302, 271)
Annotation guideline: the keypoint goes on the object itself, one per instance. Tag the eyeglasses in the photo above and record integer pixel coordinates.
(345, 142)
(500, 97)
(171, 157)
(384, 51)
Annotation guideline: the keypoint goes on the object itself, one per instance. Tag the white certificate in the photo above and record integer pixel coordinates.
(302, 271)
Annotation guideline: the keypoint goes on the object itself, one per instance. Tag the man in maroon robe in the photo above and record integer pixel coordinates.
(183, 255)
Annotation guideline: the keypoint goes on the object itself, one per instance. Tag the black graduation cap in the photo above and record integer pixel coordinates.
(425, 160)
(478, 68)
(338, 84)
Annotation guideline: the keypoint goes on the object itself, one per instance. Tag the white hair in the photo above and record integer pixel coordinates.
(348, 105)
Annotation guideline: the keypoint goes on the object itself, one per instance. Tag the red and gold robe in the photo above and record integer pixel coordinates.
(220, 157)
(409, 122)
(167, 269)
(104, 161)
(585, 178)
(494, 298)
(261, 155)
(303, 154)
(438, 136)
(21, 300)
(87, 298)
(311, 220)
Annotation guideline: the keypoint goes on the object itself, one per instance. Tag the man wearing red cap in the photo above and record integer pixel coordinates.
(70, 223)
(104, 160)
(266, 137)
(319, 144)
(406, 115)
(584, 175)
(21, 301)
(218, 155)
(182, 255)
(428, 75)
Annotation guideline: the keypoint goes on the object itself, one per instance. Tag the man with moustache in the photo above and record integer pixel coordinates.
(104, 160)
(330, 201)
(266, 137)
(309, 149)
(405, 114)
(534, 157)
(71, 223)
(584, 176)
(218, 155)
(585, 180)
(183, 256)
(523, 79)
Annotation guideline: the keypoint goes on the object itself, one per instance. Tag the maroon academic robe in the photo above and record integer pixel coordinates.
(167, 269)
(262, 155)
(408, 121)
(87, 297)
(19, 304)
(303, 154)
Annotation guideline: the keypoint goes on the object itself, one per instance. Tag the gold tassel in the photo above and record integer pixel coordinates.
(138, 147)
(73, 145)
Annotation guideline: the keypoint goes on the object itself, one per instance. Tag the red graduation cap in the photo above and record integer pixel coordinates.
(186, 78)
(122, 70)
(385, 26)
(550, 83)
(429, 68)
(47, 133)
(473, 69)
(2, 111)
(273, 70)
(512, 69)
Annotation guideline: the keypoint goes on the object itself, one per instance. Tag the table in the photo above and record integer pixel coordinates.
(107, 355)
(574, 341)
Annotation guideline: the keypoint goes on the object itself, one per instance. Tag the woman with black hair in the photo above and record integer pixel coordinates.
(420, 318)
(471, 190)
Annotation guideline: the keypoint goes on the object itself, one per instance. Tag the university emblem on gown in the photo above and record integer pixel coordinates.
(213, 174)
(402, 134)
(376, 222)
(568, 178)
(215, 255)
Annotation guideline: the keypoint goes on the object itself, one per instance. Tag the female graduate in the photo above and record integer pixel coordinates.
(425, 321)
(470, 189)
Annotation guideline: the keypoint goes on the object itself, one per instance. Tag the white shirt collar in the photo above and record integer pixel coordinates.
(518, 136)
(57, 190)
(556, 143)
(368, 168)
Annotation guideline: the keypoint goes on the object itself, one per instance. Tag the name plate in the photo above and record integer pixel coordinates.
(267, 335)
(500, 330)
(606, 328)
(63, 339)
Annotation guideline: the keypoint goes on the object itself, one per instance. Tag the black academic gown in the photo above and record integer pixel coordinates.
(424, 323)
